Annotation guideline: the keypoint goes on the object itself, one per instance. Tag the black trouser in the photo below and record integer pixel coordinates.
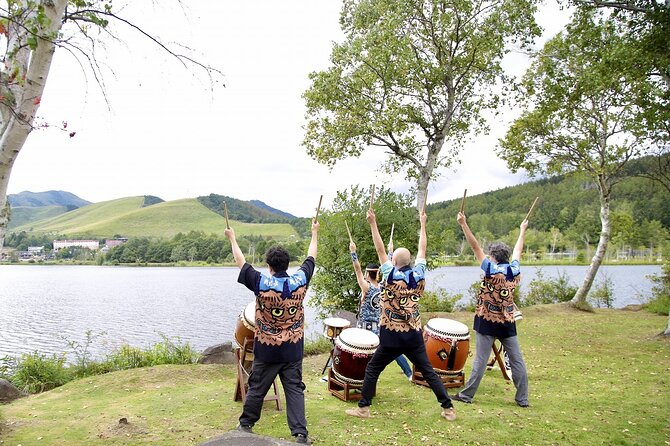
(417, 354)
(261, 378)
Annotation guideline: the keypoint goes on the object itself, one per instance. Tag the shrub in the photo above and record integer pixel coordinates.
(438, 301)
(603, 293)
(164, 352)
(35, 372)
(660, 302)
(548, 291)
(317, 346)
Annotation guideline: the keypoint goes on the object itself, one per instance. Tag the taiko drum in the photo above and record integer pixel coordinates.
(353, 349)
(246, 326)
(447, 344)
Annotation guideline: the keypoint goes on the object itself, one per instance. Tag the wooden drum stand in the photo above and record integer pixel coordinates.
(245, 359)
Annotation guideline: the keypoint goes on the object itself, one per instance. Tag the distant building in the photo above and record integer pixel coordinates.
(111, 243)
(90, 244)
(36, 250)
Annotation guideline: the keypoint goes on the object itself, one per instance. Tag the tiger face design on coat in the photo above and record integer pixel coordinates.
(495, 301)
(279, 319)
(400, 306)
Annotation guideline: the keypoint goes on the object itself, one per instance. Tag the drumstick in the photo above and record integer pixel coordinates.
(391, 238)
(372, 196)
(351, 240)
(318, 208)
(225, 214)
(531, 208)
(463, 200)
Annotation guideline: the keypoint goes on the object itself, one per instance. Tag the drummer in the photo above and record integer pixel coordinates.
(369, 307)
(279, 343)
(400, 322)
(494, 316)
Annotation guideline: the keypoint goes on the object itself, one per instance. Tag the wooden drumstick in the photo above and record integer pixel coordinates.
(391, 238)
(318, 208)
(225, 214)
(531, 208)
(351, 240)
(372, 196)
(463, 200)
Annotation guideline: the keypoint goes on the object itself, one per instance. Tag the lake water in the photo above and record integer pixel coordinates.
(43, 306)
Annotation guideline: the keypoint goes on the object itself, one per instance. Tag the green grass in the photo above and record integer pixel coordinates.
(24, 214)
(595, 379)
(127, 217)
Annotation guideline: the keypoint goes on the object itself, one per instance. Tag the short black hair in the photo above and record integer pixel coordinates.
(277, 258)
(500, 252)
(372, 266)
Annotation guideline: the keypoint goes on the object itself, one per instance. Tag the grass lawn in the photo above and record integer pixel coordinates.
(595, 379)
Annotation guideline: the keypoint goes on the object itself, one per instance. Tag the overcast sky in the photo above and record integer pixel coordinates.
(165, 132)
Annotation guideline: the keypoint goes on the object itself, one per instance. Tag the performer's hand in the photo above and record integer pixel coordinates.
(315, 226)
(423, 217)
(352, 247)
(460, 218)
(229, 233)
(524, 224)
(371, 217)
(389, 247)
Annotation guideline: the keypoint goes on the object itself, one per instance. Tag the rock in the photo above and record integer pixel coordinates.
(218, 354)
(8, 392)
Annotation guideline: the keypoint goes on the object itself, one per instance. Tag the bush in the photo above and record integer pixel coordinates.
(603, 293)
(35, 372)
(165, 352)
(438, 301)
(548, 291)
(317, 346)
(660, 302)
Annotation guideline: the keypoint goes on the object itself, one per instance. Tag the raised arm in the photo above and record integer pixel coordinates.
(376, 237)
(423, 239)
(470, 237)
(518, 247)
(362, 283)
(237, 252)
(311, 251)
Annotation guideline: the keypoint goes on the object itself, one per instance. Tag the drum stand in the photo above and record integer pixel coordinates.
(345, 391)
(244, 361)
(498, 356)
(449, 379)
(329, 361)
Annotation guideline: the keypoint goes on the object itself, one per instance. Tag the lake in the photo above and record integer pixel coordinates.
(41, 307)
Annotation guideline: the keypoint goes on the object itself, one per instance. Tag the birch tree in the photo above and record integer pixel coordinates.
(413, 80)
(31, 31)
(583, 103)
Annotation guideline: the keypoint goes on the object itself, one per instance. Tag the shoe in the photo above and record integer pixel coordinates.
(302, 439)
(457, 397)
(360, 412)
(323, 379)
(246, 429)
(448, 413)
(410, 378)
(522, 404)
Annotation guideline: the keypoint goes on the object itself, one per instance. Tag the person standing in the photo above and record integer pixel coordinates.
(400, 322)
(369, 308)
(494, 315)
(279, 342)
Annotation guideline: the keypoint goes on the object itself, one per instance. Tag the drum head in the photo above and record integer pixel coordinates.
(357, 337)
(448, 327)
(250, 313)
(336, 322)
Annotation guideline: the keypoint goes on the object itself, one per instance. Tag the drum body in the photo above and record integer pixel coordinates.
(333, 326)
(246, 326)
(353, 349)
(447, 345)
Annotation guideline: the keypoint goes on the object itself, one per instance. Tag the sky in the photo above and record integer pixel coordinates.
(161, 128)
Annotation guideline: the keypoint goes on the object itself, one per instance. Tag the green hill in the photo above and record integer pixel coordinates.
(132, 217)
(24, 215)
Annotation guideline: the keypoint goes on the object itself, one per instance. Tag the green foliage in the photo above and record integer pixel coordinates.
(317, 346)
(36, 372)
(335, 287)
(242, 210)
(438, 301)
(548, 291)
(603, 293)
(164, 352)
(660, 302)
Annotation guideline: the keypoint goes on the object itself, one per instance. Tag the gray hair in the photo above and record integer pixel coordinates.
(500, 252)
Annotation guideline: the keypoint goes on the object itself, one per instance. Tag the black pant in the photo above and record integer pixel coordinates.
(261, 378)
(417, 354)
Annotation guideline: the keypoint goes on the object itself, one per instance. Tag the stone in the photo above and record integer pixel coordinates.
(8, 392)
(218, 354)
(237, 438)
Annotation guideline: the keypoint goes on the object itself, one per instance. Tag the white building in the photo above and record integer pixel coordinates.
(90, 244)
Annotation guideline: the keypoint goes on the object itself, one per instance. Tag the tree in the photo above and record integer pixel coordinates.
(584, 105)
(335, 287)
(33, 30)
(414, 79)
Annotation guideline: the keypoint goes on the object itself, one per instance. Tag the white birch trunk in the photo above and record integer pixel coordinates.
(596, 261)
(33, 69)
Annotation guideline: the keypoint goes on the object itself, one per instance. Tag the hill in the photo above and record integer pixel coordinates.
(247, 211)
(135, 217)
(49, 198)
(23, 215)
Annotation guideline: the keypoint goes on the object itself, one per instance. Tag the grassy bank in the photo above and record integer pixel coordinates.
(595, 379)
